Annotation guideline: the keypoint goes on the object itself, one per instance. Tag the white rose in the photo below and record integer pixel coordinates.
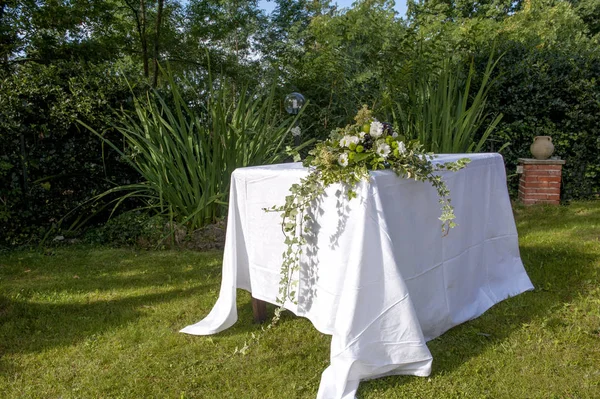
(376, 129)
(401, 147)
(345, 141)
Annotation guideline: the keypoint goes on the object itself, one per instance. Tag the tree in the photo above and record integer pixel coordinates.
(227, 32)
(139, 15)
(159, 16)
(454, 10)
(94, 31)
(339, 59)
(589, 12)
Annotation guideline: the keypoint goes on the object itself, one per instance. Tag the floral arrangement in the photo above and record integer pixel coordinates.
(347, 157)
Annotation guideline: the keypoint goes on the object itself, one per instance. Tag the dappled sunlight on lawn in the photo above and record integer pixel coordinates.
(105, 323)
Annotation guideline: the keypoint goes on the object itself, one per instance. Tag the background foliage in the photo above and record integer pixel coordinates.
(62, 61)
(48, 164)
(551, 92)
(185, 153)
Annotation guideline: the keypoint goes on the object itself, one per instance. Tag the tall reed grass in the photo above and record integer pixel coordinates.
(443, 115)
(185, 155)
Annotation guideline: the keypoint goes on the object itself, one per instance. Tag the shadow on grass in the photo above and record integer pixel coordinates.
(34, 315)
(560, 265)
(27, 326)
(560, 272)
(100, 271)
(48, 302)
(245, 324)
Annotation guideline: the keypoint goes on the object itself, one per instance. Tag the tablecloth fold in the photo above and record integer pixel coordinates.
(377, 274)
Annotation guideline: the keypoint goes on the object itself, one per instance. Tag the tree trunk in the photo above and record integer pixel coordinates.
(161, 4)
(143, 38)
(139, 14)
(4, 40)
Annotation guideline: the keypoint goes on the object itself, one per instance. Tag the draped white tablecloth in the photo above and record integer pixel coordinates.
(377, 275)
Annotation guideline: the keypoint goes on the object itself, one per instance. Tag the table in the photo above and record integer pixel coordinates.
(377, 274)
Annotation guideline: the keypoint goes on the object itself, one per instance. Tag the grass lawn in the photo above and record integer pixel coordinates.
(102, 323)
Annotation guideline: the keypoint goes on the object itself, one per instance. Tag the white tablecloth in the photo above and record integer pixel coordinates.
(378, 275)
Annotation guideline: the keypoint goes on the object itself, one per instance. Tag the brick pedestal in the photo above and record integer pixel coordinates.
(540, 181)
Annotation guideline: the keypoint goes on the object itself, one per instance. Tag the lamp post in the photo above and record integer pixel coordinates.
(293, 102)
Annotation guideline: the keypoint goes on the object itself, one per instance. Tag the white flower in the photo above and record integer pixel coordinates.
(343, 159)
(401, 147)
(394, 135)
(347, 140)
(296, 131)
(361, 134)
(383, 150)
(376, 129)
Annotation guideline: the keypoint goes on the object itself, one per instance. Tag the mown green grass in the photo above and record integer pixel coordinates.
(102, 323)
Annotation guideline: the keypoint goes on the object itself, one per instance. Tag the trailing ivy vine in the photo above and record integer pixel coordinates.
(347, 158)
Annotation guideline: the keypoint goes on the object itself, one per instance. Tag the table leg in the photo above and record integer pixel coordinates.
(259, 310)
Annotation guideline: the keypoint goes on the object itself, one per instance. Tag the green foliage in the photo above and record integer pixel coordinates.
(548, 23)
(186, 155)
(346, 159)
(343, 59)
(228, 36)
(430, 11)
(127, 229)
(554, 92)
(442, 114)
(111, 316)
(589, 12)
(48, 165)
(546, 83)
(66, 60)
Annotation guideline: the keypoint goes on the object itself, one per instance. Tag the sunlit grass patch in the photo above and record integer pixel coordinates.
(94, 322)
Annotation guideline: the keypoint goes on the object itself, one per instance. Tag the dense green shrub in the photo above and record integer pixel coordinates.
(556, 92)
(48, 164)
(546, 83)
(346, 58)
(129, 228)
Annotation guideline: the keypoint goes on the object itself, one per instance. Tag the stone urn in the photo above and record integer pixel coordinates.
(542, 147)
